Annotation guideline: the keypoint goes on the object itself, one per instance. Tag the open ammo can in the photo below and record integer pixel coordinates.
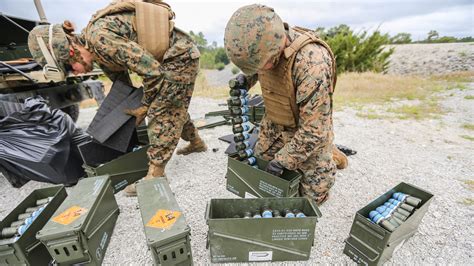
(80, 229)
(167, 234)
(124, 170)
(27, 249)
(248, 182)
(370, 244)
(260, 239)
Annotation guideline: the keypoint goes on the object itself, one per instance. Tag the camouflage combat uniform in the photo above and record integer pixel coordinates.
(168, 86)
(308, 147)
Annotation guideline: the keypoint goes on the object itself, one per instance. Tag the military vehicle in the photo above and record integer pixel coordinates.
(21, 77)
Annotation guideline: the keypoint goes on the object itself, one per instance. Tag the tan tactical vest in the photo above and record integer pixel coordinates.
(153, 22)
(278, 91)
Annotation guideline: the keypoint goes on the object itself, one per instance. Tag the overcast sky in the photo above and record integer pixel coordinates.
(448, 17)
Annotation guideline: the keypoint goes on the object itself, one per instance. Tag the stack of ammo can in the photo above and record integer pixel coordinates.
(267, 212)
(239, 109)
(395, 211)
(17, 228)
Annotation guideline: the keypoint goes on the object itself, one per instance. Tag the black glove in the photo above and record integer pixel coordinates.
(274, 168)
(239, 82)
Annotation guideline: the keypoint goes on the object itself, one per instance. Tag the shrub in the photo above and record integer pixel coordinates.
(220, 66)
(235, 70)
(357, 52)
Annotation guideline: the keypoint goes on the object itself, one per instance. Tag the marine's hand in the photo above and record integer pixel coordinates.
(274, 168)
(239, 82)
(139, 113)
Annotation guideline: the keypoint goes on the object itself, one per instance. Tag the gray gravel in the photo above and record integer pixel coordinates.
(427, 59)
(429, 154)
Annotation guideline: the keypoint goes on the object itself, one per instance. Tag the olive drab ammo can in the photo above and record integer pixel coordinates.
(166, 231)
(80, 229)
(124, 170)
(369, 243)
(234, 236)
(25, 249)
(250, 182)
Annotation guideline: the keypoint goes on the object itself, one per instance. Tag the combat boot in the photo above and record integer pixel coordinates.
(196, 145)
(340, 159)
(153, 171)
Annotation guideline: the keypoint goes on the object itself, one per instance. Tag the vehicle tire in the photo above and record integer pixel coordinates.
(72, 111)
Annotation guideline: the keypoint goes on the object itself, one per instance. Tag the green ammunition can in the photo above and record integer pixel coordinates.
(25, 249)
(124, 170)
(80, 229)
(167, 234)
(248, 182)
(369, 243)
(251, 240)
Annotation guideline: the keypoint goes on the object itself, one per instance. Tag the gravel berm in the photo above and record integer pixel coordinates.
(429, 154)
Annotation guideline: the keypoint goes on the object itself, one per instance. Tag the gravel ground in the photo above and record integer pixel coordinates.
(426, 59)
(429, 154)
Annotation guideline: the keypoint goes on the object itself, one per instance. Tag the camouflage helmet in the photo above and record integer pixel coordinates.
(59, 44)
(253, 36)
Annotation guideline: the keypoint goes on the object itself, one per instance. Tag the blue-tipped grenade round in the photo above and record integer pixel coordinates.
(245, 154)
(396, 209)
(289, 213)
(23, 216)
(380, 220)
(413, 201)
(242, 145)
(402, 205)
(267, 212)
(241, 136)
(257, 214)
(239, 110)
(247, 215)
(240, 119)
(238, 92)
(17, 223)
(239, 128)
(298, 213)
(43, 201)
(276, 214)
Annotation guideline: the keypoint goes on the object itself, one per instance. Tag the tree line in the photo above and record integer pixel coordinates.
(359, 51)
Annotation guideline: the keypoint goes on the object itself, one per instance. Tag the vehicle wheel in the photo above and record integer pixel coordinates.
(72, 111)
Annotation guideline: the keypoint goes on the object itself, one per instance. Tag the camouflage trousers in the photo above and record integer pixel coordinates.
(319, 171)
(168, 117)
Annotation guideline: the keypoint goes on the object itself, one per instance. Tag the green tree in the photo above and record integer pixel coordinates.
(221, 56)
(358, 52)
(401, 38)
(432, 36)
(199, 39)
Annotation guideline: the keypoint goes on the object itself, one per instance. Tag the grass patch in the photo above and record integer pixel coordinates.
(469, 184)
(371, 116)
(468, 201)
(468, 126)
(467, 137)
(424, 110)
(362, 88)
(469, 97)
(464, 76)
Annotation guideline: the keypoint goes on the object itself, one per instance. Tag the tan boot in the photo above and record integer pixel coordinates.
(131, 190)
(196, 145)
(155, 171)
(339, 158)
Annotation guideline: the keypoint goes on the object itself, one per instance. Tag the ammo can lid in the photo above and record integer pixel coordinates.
(163, 220)
(73, 214)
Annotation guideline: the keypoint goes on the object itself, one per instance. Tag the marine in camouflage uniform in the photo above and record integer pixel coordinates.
(168, 86)
(308, 147)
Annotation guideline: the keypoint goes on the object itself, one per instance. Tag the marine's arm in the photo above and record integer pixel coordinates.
(119, 50)
(312, 78)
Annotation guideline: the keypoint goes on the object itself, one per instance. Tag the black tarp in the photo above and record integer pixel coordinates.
(36, 144)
